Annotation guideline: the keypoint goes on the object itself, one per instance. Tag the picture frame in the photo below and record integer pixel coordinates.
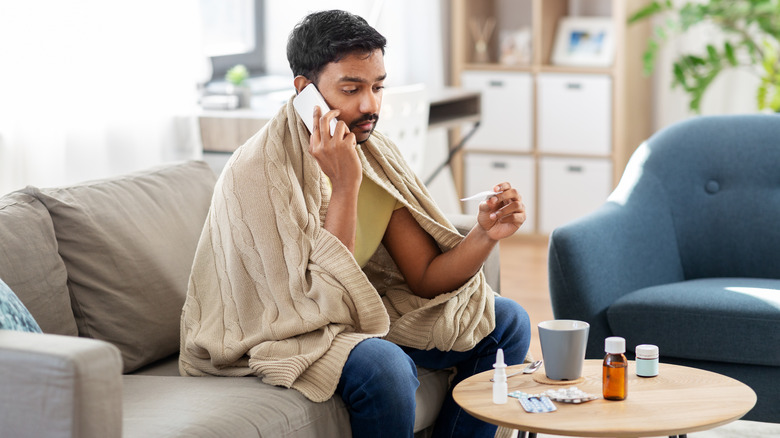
(584, 42)
(516, 47)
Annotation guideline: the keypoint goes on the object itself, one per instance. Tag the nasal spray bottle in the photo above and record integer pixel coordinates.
(500, 389)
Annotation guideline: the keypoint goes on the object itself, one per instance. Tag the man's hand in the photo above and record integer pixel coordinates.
(501, 215)
(336, 154)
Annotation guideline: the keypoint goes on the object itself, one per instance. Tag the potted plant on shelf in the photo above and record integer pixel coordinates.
(751, 39)
(237, 78)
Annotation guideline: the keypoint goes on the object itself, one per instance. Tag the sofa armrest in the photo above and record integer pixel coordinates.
(59, 386)
(492, 267)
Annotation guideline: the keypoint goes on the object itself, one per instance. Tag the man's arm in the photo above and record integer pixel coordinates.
(338, 159)
(427, 270)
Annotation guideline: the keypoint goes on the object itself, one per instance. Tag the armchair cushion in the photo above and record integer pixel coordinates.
(731, 320)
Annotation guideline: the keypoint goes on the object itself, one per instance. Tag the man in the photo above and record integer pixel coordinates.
(325, 266)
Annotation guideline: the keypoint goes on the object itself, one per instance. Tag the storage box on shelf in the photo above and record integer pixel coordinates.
(507, 110)
(571, 187)
(573, 127)
(516, 169)
(575, 113)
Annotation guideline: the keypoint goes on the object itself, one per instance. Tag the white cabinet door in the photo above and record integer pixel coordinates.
(483, 171)
(507, 110)
(575, 113)
(571, 188)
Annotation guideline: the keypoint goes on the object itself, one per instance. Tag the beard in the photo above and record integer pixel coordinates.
(364, 119)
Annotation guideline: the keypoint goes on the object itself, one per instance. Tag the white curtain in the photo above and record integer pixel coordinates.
(94, 88)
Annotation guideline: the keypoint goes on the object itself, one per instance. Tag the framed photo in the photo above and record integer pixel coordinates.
(584, 42)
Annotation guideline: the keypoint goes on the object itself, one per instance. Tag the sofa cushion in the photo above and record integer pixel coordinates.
(719, 319)
(234, 407)
(13, 314)
(238, 407)
(30, 264)
(128, 243)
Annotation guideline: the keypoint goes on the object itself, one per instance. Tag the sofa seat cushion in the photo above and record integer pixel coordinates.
(30, 264)
(238, 407)
(212, 407)
(732, 320)
(128, 243)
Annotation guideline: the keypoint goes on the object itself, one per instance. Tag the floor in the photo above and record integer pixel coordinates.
(524, 279)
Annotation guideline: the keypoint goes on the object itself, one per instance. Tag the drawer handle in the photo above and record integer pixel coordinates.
(575, 169)
(496, 83)
(573, 86)
(498, 165)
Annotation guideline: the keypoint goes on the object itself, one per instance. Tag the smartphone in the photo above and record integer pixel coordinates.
(304, 103)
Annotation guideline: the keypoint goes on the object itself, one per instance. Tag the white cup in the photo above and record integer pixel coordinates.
(563, 347)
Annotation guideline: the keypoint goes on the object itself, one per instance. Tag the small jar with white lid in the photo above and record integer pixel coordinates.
(646, 360)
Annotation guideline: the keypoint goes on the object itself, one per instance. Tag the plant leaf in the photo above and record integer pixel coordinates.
(712, 55)
(694, 60)
(728, 50)
(648, 58)
(691, 14)
(679, 75)
(651, 9)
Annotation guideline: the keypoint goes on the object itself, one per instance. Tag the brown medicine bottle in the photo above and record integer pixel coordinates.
(615, 377)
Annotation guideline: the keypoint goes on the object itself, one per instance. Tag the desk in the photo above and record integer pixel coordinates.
(678, 401)
(224, 131)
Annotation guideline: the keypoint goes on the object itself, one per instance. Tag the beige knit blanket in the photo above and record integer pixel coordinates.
(272, 293)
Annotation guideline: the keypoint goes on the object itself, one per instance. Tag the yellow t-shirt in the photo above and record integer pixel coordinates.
(374, 208)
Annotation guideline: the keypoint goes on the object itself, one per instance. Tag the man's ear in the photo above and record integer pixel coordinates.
(300, 83)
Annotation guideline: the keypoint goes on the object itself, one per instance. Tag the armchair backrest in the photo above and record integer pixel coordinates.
(718, 179)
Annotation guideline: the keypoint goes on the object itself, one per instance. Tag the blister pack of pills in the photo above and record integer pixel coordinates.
(534, 403)
(570, 395)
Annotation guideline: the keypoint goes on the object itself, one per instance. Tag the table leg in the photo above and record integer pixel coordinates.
(522, 434)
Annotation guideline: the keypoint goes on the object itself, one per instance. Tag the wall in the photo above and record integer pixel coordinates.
(413, 30)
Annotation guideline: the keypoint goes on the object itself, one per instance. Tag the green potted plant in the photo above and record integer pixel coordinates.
(237, 78)
(751, 39)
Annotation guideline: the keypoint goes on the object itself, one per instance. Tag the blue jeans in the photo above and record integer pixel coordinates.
(379, 379)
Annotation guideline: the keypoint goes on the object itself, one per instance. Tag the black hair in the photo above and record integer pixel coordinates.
(328, 36)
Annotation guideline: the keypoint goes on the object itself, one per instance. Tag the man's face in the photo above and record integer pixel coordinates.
(354, 85)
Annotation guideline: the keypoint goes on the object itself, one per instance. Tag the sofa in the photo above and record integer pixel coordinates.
(103, 269)
(685, 254)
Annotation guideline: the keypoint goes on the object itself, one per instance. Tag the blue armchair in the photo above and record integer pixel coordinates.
(685, 254)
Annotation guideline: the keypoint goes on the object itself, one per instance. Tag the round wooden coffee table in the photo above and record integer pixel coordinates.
(678, 401)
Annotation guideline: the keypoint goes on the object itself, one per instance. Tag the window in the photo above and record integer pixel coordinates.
(233, 34)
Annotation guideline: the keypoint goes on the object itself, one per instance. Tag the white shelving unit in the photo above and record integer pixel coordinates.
(562, 135)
